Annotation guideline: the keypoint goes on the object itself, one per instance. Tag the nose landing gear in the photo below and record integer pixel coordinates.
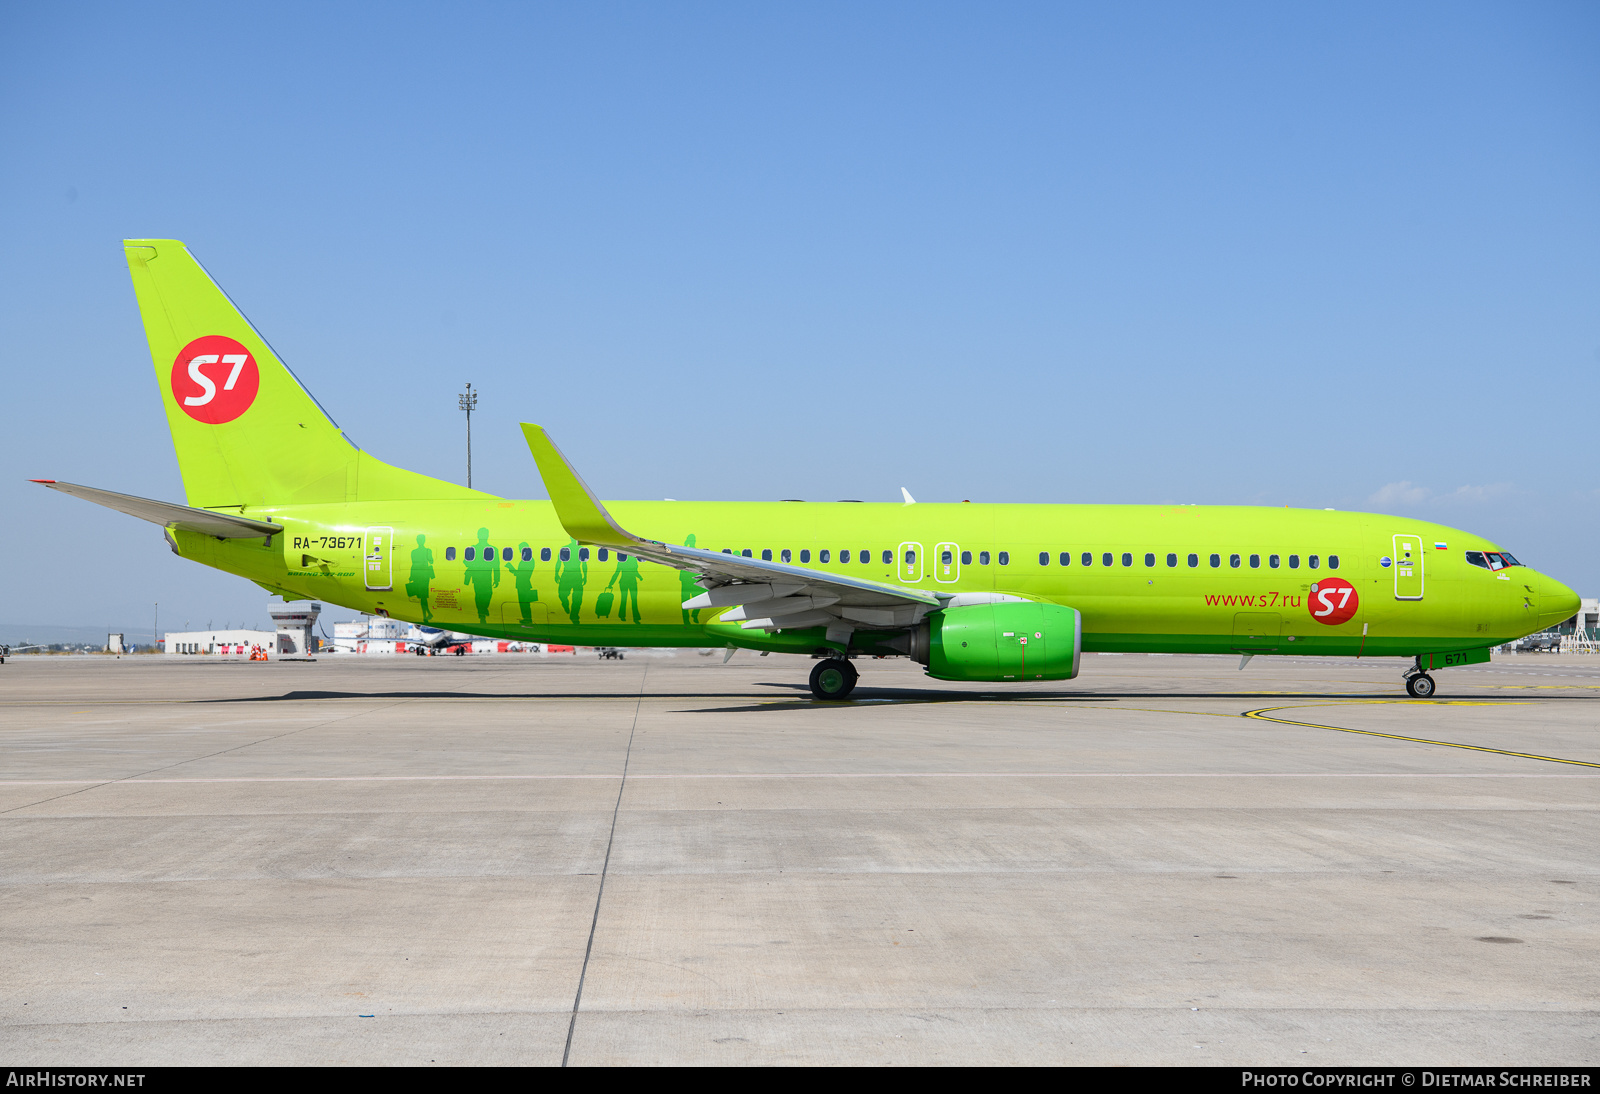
(834, 678)
(1420, 686)
(1418, 683)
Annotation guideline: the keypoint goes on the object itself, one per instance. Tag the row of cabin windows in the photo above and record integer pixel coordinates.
(507, 554)
(1107, 558)
(863, 556)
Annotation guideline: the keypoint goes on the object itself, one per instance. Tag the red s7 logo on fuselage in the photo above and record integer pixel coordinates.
(1333, 600)
(215, 379)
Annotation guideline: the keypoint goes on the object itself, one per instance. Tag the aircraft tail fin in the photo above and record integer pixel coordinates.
(245, 430)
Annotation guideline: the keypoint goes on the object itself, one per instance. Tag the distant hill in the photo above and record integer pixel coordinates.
(14, 634)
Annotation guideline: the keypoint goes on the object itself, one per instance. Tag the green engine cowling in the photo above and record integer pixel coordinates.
(995, 642)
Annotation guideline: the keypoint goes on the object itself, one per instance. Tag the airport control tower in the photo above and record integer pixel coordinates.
(295, 639)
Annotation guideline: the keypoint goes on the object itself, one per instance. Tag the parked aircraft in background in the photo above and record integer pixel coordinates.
(992, 593)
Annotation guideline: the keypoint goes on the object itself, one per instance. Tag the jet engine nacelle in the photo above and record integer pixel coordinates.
(993, 642)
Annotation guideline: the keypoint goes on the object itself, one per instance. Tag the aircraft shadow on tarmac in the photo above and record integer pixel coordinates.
(885, 696)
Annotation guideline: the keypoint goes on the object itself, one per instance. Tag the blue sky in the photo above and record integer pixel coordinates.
(1325, 255)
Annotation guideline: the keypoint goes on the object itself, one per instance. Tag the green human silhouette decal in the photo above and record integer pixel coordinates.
(421, 575)
(626, 579)
(687, 586)
(526, 593)
(483, 573)
(572, 573)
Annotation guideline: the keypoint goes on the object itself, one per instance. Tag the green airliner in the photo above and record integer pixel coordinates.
(991, 593)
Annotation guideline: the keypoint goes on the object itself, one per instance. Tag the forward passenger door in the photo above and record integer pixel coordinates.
(1408, 560)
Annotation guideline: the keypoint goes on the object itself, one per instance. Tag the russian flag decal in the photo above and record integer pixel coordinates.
(1441, 547)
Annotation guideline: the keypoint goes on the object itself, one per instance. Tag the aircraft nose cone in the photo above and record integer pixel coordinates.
(1557, 603)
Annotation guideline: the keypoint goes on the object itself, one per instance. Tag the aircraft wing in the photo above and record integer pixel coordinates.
(167, 514)
(765, 595)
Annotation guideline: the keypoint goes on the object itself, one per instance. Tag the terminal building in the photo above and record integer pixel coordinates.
(227, 643)
(294, 638)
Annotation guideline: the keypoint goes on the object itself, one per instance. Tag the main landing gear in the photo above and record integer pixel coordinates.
(834, 678)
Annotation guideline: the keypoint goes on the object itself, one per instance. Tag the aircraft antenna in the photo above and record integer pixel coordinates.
(469, 400)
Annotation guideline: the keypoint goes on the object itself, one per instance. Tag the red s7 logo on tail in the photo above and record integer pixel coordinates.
(215, 379)
(1333, 600)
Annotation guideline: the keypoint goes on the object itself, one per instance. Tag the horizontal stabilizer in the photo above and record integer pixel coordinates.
(167, 514)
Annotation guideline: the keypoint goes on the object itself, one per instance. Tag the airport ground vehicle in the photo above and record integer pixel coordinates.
(982, 593)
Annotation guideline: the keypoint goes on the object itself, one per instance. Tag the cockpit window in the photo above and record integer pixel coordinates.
(1491, 560)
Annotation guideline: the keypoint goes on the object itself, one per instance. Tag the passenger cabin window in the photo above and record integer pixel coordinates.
(544, 554)
(1105, 559)
(822, 556)
(1313, 561)
(888, 558)
(1127, 558)
(945, 558)
(745, 553)
(1194, 560)
(1172, 560)
(604, 554)
(784, 556)
(966, 558)
(1088, 559)
(471, 554)
(1149, 560)
(805, 555)
(527, 554)
(1233, 560)
(566, 554)
(1216, 560)
(449, 554)
(983, 558)
(1255, 562)
(1044, 558)
(1294, 562)
(1066, 558)
(1005, 558)
(1333, 562)
(766, 554)
(622, 557)
(911, 558)
(844, 556)
(1272, 561)
(583, 554)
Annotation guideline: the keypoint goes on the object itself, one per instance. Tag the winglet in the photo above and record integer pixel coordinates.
(579, 511)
